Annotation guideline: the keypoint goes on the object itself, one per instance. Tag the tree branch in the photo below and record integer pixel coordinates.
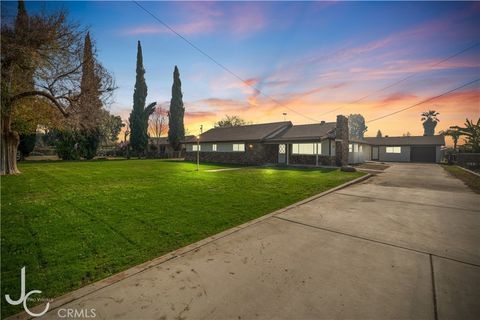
(42, 94)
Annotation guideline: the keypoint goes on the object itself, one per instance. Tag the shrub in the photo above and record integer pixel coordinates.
(89, 143)
(67, 145)
(27, 144)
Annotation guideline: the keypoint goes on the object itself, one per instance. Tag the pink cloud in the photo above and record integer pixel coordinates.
(399, 96)
(199, 114)
(206, 17)
(223, 105)
(251, 81)
(248, 17)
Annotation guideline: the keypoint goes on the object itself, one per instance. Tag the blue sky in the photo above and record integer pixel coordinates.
(311, 57)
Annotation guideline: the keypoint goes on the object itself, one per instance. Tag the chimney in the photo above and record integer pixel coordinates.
(322, 122)
(341, 141)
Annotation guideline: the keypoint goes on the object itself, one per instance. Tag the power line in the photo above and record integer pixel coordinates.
(299, 113)
(424, 101)
(220, 64)
(411, 75)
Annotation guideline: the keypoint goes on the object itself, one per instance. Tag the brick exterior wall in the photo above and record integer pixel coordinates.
(258, 154)
(341, 141)
(311, 159)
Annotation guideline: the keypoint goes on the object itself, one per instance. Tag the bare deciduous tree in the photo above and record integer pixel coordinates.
(42, 57)
(157, 124)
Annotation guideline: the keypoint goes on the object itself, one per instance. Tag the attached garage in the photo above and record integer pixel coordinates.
(423, 154)
(407, 149)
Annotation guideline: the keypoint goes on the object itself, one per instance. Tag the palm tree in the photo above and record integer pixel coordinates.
(430, 121)
(454, 134)
(472, 133)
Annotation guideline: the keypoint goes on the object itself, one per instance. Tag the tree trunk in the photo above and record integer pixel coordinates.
(10, 141)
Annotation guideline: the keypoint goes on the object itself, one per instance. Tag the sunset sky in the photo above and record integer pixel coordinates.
(312, 57)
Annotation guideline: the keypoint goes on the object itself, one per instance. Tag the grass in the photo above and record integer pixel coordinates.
(471, 180)
(72, 223)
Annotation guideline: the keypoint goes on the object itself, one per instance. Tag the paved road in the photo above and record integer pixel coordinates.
(403, 244)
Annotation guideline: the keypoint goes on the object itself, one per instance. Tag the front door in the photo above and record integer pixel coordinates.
(374, 153)
(282, 153)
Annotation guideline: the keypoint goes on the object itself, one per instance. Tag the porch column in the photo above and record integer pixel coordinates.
(316, 151)
(287, 149)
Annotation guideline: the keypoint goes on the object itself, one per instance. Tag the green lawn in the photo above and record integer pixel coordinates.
(72, 223)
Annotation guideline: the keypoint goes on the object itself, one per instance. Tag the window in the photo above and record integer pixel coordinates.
(295, 148)
(393, 150)
(355, 147)
(323, 148)
(350, 147)
(303, 148)
(239, 147)
(281, 149)
(196, 147)
(360, 148)
(214, 147)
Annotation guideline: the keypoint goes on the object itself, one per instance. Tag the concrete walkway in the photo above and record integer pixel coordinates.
(404, 244)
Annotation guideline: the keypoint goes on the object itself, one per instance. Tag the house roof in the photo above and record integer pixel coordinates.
(190, 138)
(306, 132)
(358, 140)
(405, 141)
(254, 132)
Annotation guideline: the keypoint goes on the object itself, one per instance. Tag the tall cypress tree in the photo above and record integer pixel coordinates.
(176, 130)
(22, 29)
(21, 13)
(84, 138)
(139, 115)
(90, 103)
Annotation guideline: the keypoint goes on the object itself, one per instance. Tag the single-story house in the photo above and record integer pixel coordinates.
(406, 149)
(324, 143)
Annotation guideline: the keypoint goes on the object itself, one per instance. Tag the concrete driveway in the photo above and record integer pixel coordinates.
(404, 244)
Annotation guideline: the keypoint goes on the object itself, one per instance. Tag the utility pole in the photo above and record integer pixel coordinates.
(198, 153)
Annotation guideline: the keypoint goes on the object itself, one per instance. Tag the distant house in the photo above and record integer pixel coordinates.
(406, 149)
(165, 147)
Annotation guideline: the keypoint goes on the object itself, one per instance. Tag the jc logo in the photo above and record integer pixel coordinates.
(24, 297)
